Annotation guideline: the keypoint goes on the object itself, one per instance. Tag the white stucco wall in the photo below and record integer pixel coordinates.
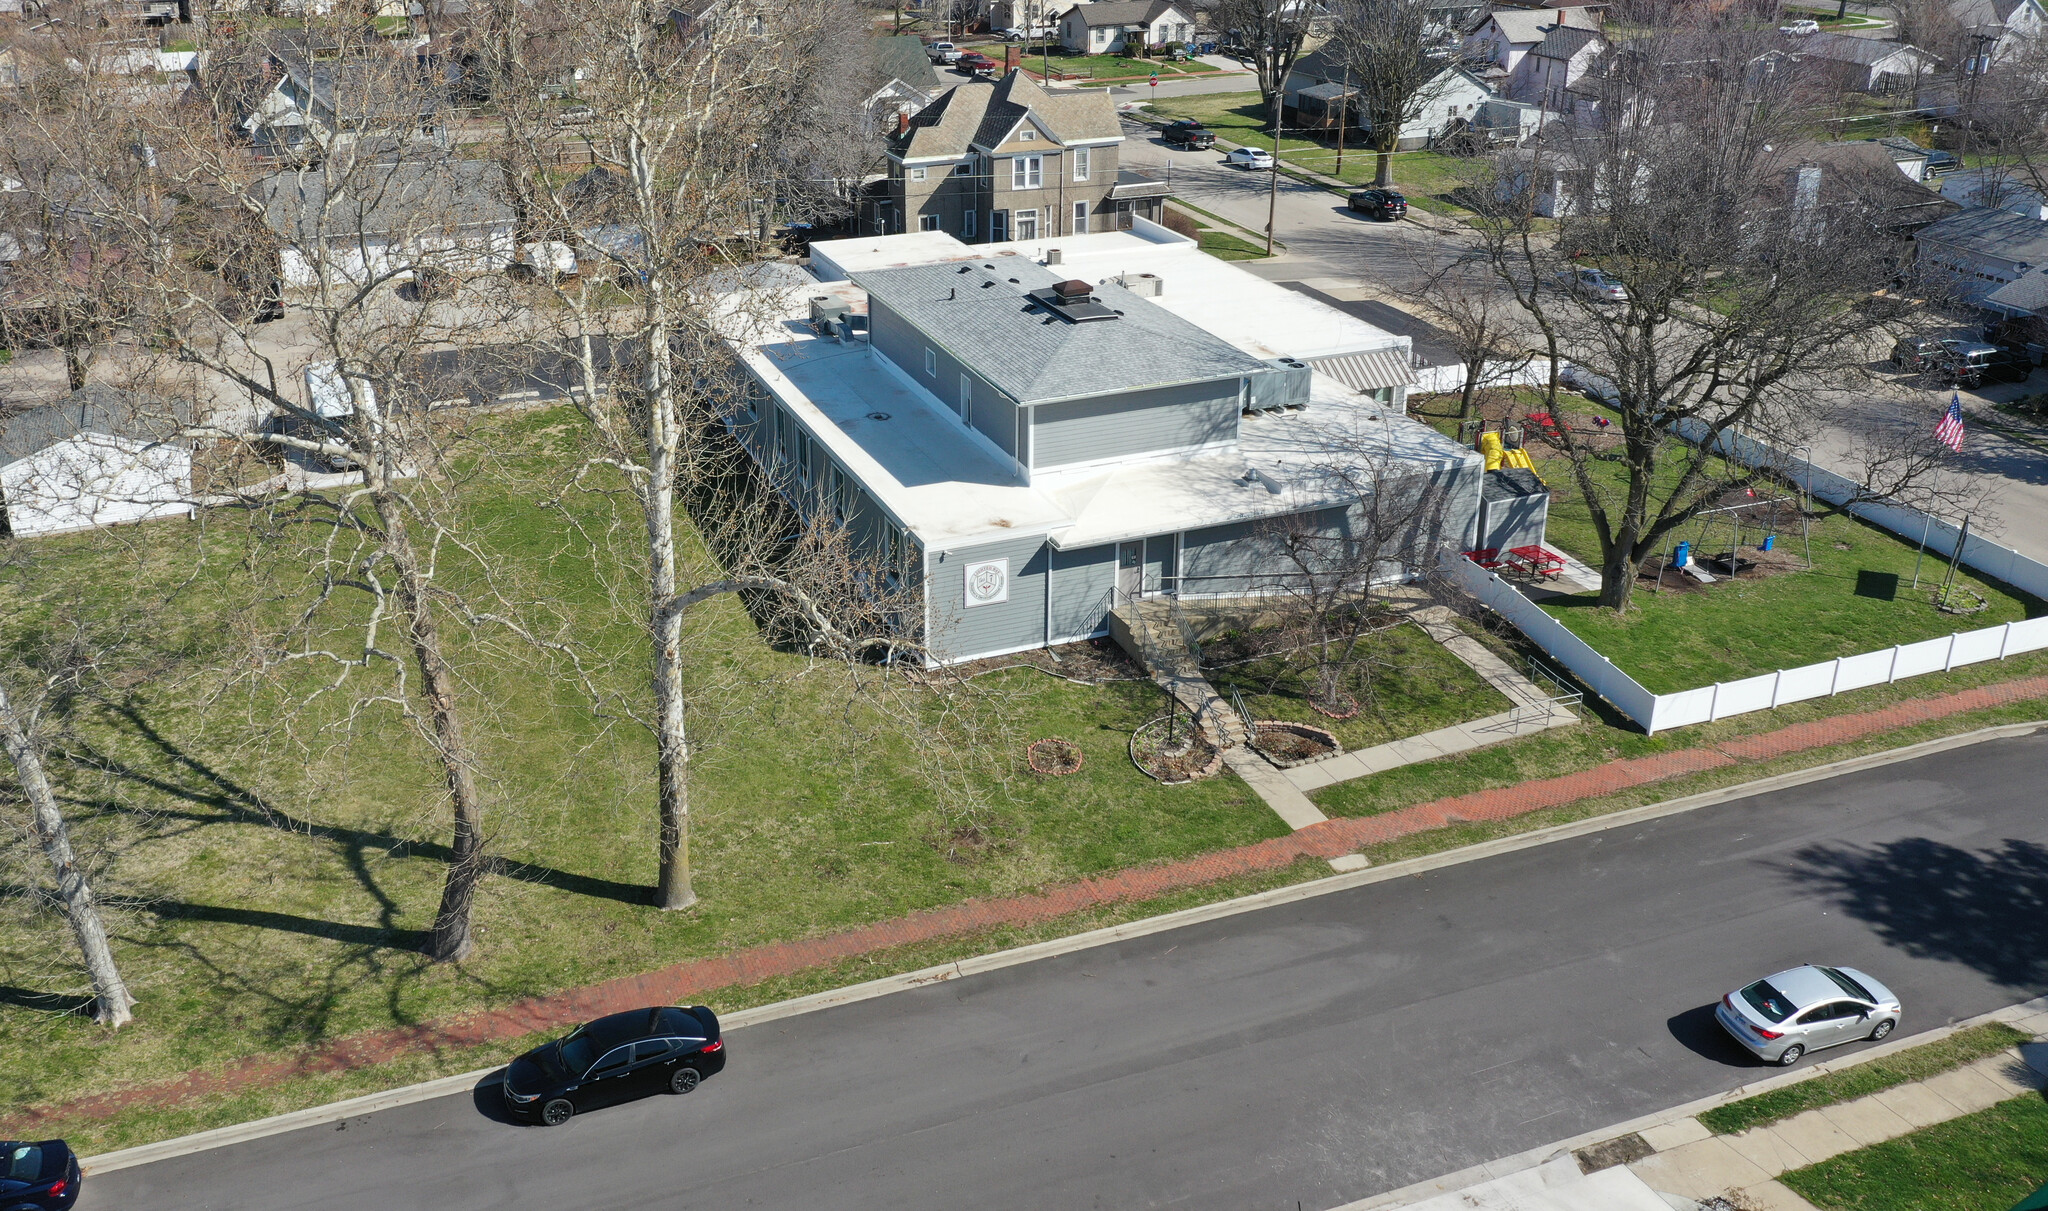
(94, 480)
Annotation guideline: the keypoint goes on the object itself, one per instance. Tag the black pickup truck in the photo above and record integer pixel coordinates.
(1188, 133)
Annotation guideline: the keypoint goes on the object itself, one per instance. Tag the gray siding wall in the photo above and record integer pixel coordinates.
(1082, 584)
(1140, 422)
(1516, 522)
(960, 633)
(988, 410)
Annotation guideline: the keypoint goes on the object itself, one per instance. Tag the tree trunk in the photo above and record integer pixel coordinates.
(1383, 171)
(450, 939)
(111, 1001)
(1618, 574)
(74, 366)
(672, 740)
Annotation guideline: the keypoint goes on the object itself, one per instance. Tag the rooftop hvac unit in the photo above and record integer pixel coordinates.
(827, 311)
(1284, 386)
(1144, 285)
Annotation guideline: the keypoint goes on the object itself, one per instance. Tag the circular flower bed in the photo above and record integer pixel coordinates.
(1345, 707)
(1288, 744)
(1961, 600)
(1173, 754)
(1054, 757)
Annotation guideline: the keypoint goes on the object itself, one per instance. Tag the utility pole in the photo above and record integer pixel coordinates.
(1343, 118)
(1273, 193)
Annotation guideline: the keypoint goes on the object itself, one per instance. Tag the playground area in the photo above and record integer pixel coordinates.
(1764, 578)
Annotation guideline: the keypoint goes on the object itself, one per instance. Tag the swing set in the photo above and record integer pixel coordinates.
(1766, 515)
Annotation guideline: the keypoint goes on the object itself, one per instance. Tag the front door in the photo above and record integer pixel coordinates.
(1130, 571)
(1161, 576)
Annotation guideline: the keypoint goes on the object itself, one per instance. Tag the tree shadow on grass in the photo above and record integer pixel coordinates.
(61, 1004)
(233, 803)
(1986, 909)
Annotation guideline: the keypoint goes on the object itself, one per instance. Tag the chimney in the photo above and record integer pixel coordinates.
(1013, 58)
(902, 123)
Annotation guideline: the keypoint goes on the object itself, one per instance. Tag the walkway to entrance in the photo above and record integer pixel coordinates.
(1158, 635)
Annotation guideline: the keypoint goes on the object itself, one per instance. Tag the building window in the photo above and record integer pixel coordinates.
(967, 223)
(1027, 135)
(927, 222)
(963, 168)
(931, 363)
(1027, 224)
(1080, 218)
(1080, 163)
(917, 174)
(998, 226)
(1027, 172)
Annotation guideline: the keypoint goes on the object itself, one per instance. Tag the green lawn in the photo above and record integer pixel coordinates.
(1412, 685)
(1985, 1161)
(1427, 177)
(270, 884)
(1861, 1080)
(1226, 247)
(1103, 67)
(1682, 639)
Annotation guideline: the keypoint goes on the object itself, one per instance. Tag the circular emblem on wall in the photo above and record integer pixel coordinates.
(988, 583)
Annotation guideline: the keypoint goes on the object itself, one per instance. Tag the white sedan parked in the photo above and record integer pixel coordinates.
(1250, 158)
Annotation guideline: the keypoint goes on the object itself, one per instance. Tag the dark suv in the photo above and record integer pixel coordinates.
(1189, 134)
(41, 1176)
(1974, 363)
(615, 1059)
(1386, 205)
(1914, 354)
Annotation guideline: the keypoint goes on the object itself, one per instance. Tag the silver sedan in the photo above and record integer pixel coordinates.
(1782, 1017)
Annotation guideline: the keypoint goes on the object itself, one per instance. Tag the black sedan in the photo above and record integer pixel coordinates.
(615, 1059)
(37, 1177)
(1385, 205)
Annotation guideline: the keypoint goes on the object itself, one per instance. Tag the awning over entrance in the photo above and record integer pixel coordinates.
(1367, 371)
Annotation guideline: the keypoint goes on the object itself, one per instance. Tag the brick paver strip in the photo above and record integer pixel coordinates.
(694, 979)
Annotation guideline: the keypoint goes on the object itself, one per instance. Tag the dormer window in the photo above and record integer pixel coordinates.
(1027, 135)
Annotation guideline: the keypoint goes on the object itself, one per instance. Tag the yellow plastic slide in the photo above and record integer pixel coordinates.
(1489, 445)
(1517, 458)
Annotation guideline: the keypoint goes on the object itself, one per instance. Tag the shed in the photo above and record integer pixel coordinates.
(1514, 509)
(99, 457)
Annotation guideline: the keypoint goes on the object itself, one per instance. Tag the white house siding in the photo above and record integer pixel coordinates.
(351, 260)
(94, 480)
(956, 631)
(1459, 99)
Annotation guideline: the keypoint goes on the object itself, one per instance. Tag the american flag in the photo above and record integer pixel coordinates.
(1949, 430)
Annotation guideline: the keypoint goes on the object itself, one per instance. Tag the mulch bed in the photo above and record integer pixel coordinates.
(1054, 757)
(1188, 759)
(1289, 744)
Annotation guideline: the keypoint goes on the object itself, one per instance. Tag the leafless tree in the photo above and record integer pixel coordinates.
(1485, 325)
(1385, 47)
(1749, 268)
(692, 140)
(20, 738)
(1272, 32)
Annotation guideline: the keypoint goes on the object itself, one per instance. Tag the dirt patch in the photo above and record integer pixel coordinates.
(1054, 757)
(1290, 744)
(1174, 752)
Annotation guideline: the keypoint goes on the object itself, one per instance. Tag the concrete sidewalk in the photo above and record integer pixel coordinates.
(1678, 1158)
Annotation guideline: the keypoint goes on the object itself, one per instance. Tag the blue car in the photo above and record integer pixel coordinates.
(41, 1176)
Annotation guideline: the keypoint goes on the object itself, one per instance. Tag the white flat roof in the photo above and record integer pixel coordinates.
(943, 482)
(1242, 308)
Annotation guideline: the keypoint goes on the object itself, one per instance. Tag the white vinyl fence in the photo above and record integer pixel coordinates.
(1660, 712)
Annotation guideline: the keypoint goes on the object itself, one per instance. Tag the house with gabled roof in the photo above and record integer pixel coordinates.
(99, 457)
(1505, 38)
(1107, 26)
(1009, 160)
(904, 79)
(1546, 74)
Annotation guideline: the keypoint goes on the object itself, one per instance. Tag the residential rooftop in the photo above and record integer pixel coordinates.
(946, 485)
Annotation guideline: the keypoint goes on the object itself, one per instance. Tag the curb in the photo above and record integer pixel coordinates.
(1522, 1161)
(221, 1137)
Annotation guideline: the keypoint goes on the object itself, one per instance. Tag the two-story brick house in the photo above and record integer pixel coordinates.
(1009, 160)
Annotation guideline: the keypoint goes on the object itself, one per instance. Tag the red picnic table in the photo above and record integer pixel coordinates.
(1536, 561)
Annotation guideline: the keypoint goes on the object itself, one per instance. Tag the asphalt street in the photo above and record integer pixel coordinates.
(1313, 1052)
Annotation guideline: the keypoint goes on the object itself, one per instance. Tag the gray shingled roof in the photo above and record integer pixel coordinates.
(375, 199)
(94, 408)
(975, 312)
(1565, 41)
(1999, 233)
(1124, 12)
(1530, 25)
(904, 57)
(1844, 48)
(2028, 292)
(981, 113)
